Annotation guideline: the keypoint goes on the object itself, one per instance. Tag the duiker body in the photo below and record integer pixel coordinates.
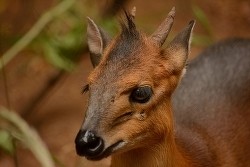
(130, 114)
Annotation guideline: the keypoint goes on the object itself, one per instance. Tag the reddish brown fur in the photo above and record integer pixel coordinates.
(152, 68)
(149, 135)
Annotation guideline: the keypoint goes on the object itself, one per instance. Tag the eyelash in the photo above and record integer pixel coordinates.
(85, 89)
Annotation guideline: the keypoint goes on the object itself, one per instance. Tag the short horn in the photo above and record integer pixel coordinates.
(160, 35)
(133, 11)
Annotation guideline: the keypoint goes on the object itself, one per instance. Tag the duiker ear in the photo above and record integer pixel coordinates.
(97, 40)
(179, 48)
(161, 33)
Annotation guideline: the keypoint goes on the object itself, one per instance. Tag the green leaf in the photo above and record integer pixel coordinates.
(6, 142)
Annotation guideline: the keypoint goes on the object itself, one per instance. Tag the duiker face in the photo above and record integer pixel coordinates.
(130, 88)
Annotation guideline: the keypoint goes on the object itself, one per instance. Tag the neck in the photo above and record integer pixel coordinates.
(182, 147)
(164, 154)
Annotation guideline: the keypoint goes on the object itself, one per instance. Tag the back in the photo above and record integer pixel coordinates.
(214, 95)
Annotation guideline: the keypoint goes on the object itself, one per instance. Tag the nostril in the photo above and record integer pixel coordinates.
(88, 144)
(94, 143)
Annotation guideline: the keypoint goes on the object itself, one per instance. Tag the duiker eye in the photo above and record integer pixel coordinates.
(141, 94)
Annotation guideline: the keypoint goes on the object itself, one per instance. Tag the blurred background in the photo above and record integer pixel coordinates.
(45, 62)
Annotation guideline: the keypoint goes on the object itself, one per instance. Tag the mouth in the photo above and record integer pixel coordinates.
(107, 152)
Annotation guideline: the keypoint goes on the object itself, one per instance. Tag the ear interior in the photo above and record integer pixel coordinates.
(97, 40)
(179, 48)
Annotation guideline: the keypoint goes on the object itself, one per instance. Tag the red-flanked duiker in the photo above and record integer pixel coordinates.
(135, 115)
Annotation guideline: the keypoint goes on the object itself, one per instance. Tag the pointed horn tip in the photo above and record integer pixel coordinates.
(133, 11)
(134, 8)
(172, 12)
(173, 8)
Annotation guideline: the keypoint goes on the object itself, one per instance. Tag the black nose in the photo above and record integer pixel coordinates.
(88, 144)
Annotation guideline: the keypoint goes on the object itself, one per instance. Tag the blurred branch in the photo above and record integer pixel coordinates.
(5, 84)
(35, 30)
(20, 130)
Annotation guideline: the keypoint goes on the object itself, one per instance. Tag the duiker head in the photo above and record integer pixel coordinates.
(130, 87)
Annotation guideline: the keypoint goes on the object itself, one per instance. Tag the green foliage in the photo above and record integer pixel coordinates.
(45, 19)
(62, 40)
(6, 142)
(61, 49)
(21, 131)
